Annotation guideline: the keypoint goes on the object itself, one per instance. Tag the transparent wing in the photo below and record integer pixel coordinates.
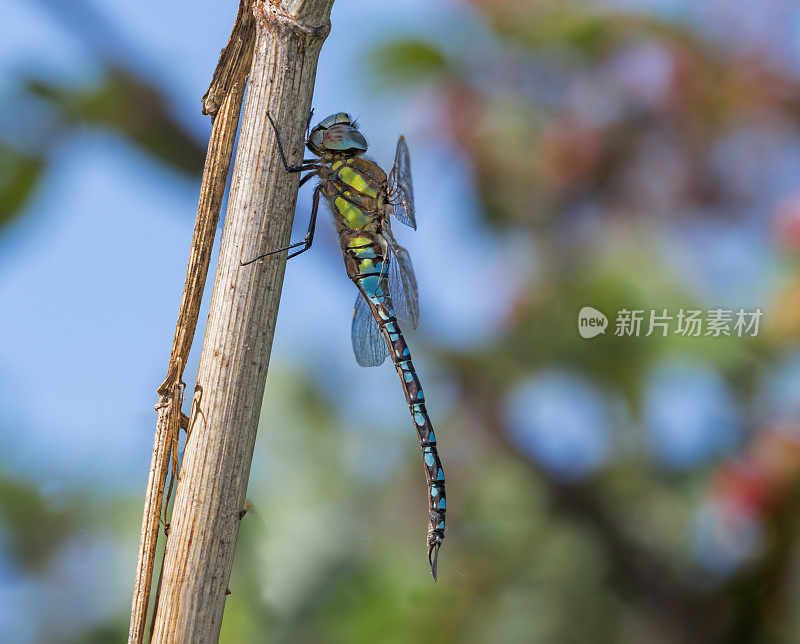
(368, 343)
(401, 190)
(403, 285)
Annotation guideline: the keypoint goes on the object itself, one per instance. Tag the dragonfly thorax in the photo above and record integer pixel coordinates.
(336, 137)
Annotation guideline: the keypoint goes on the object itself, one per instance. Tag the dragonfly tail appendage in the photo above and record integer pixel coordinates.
(376, 293)
(434, 543)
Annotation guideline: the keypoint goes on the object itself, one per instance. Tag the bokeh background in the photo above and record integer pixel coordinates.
(640, 154)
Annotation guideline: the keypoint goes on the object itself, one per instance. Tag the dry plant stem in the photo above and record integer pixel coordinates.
(223, 101)
(238, 338)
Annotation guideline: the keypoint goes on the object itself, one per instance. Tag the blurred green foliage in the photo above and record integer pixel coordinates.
(407, 62)
(39, 528)
(119, 102)
(133, 108)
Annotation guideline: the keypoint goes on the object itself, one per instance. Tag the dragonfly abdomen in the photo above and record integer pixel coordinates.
(434, 474)
(367, 269)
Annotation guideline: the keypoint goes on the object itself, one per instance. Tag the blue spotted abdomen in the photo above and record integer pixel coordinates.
(367, 268)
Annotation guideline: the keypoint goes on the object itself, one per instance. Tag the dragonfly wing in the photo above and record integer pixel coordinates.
(368, 343)
(403, 286)
(401, 190)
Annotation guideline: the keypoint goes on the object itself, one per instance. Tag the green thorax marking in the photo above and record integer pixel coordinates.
(353, 216)
(355, 180)
(356, 185)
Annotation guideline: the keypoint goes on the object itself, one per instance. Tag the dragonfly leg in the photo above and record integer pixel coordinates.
(312, 224)
(307, 240)
(306, 178)
(307, 164)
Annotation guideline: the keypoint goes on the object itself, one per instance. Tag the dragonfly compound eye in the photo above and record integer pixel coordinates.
(340, 118)
(314, 142)
(344, 139)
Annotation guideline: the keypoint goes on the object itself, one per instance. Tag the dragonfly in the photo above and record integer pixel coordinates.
(363, 199)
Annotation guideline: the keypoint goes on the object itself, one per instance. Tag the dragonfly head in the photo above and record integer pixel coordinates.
(336, 137)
